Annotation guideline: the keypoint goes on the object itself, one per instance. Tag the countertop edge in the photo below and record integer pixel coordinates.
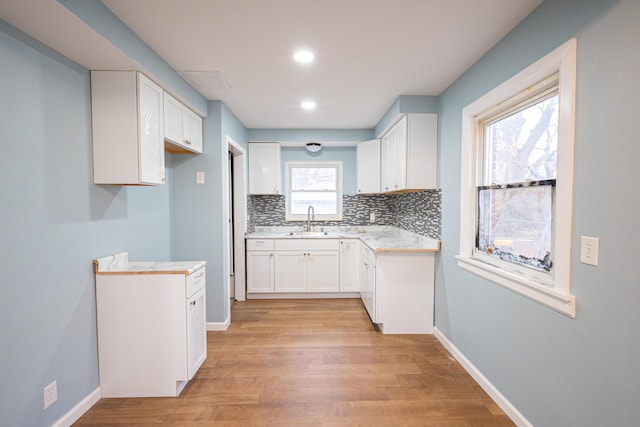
(121, 272)
(416, 250)
(359, 236)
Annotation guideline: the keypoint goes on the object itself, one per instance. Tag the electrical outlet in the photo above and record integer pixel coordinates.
(589, 250)
(50, 394)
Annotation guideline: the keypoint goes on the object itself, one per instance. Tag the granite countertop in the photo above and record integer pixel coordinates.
(119, 264)
(378, 238)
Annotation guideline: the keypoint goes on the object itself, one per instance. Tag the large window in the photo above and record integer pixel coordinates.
(317, 184)
(517, 175)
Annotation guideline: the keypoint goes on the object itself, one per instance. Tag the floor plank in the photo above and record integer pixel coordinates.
(313, 363)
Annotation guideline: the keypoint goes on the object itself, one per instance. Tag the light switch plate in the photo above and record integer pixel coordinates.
(200, 177)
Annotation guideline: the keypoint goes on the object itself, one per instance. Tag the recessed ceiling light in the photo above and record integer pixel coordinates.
(308, 105)
(303, 56)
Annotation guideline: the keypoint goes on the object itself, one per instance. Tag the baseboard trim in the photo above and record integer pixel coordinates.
(504, 404)
(304, 295)
(79, 410)
(219, 326)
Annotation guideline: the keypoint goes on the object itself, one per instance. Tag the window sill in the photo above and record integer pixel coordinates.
(563, 303)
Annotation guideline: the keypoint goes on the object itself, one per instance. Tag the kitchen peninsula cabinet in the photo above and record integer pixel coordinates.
(398, 290)
(127, 121)
(182, 127)
(264, 168)
(408, 154)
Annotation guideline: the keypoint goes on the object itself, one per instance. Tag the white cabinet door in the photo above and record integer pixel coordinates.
(388, 158)
(127, 127)
(260, 272)
(182, 127)
(196, 332)
(368, 291)
(194, 131)
(401, 155)
(323, 271)
(349, 265)
(150, 128)
(264, 168)
(173, 121)
(291, 271)
(409, 154)
(422, 151)
(368, 164)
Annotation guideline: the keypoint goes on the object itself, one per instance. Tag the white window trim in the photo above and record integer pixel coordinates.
(318, 217)
(557, 296)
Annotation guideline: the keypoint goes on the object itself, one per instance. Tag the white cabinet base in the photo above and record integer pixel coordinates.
(404, 292)
(145, 344)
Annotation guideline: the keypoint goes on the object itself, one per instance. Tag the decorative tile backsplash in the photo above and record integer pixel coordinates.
(418, 212)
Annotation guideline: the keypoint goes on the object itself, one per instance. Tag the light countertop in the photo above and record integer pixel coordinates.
(378, 238)
(119, 264)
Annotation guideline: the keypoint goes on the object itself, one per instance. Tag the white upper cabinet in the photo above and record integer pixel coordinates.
(182, 127)
(368, 159)
(388, 160)
(264, 168)
(409, 154)
(127, 121)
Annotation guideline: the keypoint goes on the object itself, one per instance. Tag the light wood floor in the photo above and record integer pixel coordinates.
(314, 363)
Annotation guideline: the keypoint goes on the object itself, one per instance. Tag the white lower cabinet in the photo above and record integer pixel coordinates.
(307, 265)
(398, 290)
(151, 332)
(291, 271)
(297, 266)
(260, 266)
(323, 271)
(350, 265)
(368, 280)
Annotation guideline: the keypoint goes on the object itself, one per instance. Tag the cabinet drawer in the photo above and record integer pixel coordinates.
(307, 245)
(195, 282)
(259, 244)
(369, 254)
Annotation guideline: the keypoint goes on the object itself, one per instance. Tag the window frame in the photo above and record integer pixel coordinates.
(555, 294)
(289, 165)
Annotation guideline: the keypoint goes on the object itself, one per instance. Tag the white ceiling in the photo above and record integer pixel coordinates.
(368, 52)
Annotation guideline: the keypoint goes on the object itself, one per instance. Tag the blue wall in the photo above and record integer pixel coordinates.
(55, 221)
(199, 210)
(559, 371)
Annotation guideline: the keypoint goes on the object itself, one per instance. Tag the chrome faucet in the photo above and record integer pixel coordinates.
(311, 216)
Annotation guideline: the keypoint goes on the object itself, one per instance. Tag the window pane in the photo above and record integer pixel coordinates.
(324, 203)
(314, 178)
(524, 145)
(516, 223)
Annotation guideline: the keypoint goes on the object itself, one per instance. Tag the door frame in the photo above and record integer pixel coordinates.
(240, 214)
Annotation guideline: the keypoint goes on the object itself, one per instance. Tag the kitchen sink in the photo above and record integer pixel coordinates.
(308, 233)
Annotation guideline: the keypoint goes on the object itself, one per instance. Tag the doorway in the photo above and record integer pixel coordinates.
(236, 219)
